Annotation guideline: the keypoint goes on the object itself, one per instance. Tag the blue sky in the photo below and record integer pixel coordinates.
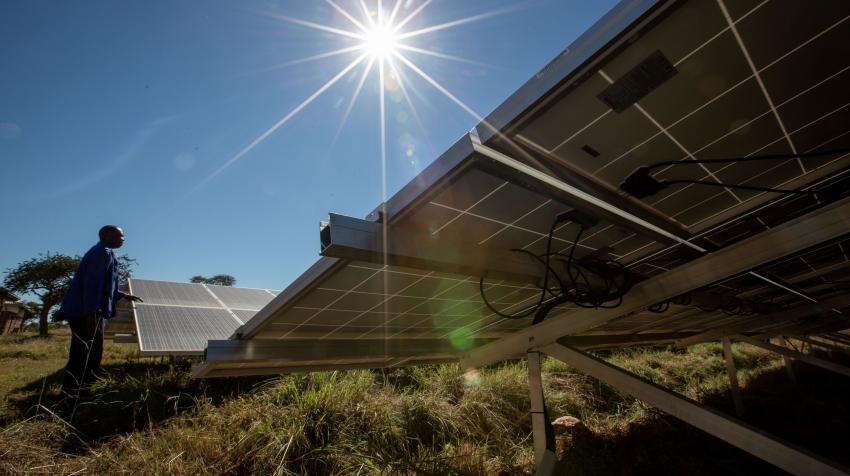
(121, 111)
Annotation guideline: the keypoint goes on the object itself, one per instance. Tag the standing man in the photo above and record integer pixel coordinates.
(89, 303)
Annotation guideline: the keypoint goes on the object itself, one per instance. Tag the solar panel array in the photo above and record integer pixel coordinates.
(750, 82)
(364, 300)
(179, 318)
(745, 83)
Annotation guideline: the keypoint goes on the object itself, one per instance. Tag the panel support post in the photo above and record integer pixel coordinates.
(786, 352)
(789, 369)
(831, 348)
(784, 455)
(544, 434)
(733, 377)
(839, 337)
(789, 365)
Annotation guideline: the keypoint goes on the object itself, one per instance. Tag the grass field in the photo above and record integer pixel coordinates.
(146, 416)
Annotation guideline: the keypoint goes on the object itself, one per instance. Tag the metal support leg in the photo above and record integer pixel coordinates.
(752, 440)
(788, 363)
(831, 348)
(789, 369)
(544, 434)
(839, 337)
(733, 377)
(793, 354)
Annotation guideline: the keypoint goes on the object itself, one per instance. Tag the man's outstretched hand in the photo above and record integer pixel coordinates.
(132, 298)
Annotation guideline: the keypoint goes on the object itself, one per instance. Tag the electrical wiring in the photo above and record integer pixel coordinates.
(755, 158)
(742, 187)
(641, 183)
(727, 303)
(586, 282)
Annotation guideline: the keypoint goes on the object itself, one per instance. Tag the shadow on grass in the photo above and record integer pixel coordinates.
(127, 397)
(23, 338)
(809, 415)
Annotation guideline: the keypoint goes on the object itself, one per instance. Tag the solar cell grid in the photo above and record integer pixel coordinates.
(819, 270)
(241, 298)
(507, 216)
(173, 294)
(182, 317)
(777, 104)
(418, 304)
(244, 315)
(170, 330)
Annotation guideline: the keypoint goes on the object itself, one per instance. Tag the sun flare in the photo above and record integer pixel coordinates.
(380, 42)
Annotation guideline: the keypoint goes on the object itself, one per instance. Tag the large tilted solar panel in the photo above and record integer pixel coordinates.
(362, 306)
(362, 300)
(761, 78)
(710, 83)
(764, 77)
(354, 301)
(179, 318)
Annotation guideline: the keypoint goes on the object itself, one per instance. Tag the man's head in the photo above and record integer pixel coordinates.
(112, 236)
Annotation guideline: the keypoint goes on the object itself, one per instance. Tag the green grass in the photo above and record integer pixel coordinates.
(147, 417)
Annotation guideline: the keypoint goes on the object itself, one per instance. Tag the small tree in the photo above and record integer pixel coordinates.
(48, 276)
(35, 307)
(125, 268)
(219, 279)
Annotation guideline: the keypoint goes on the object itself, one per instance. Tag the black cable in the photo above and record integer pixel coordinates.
(728, 304)
(641, 183)
(586, 282)
(544, 287)
(805, 155)
(743, 187)
(495, 311)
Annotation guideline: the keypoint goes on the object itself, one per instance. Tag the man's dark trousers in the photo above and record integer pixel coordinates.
(85, 354)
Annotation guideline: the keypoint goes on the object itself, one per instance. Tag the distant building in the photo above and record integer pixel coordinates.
(13, 313)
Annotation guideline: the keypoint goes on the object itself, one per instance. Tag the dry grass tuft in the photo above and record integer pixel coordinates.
(148, 417)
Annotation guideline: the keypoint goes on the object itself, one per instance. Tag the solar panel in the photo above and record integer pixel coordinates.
(241, 298)
(179, 318)
(740, 91)
(687, 80)
(244, 315)
(180, 330)
(174, 294)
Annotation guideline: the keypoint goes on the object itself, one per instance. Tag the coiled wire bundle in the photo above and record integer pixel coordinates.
(587, 282)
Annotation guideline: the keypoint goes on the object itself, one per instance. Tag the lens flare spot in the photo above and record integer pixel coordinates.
(462, 338)
(391, 84)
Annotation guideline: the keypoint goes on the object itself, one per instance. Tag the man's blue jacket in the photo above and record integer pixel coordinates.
(94, 288)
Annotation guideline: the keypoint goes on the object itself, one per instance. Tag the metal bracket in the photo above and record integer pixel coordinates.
(362, 240)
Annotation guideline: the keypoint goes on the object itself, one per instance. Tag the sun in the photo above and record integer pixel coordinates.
(381, 42)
